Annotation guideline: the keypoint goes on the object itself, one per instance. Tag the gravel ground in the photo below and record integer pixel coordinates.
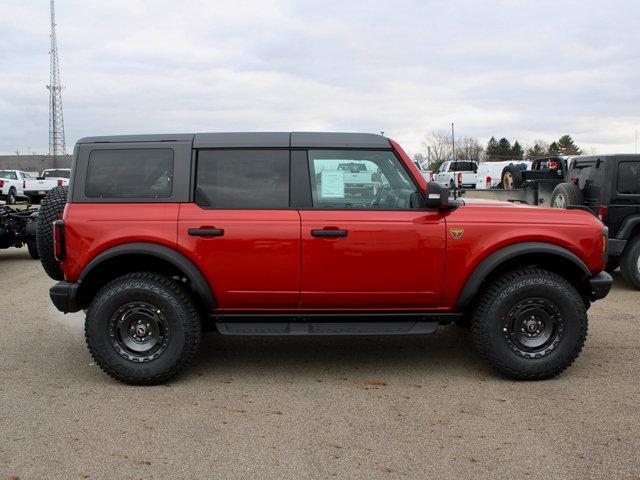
(275, 408)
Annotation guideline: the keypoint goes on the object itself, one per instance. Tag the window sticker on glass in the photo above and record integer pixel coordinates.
(332, 184)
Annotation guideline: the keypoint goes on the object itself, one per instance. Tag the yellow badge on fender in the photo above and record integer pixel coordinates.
(457, 232)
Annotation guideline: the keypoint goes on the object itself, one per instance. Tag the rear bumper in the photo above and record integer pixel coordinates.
(64, 296)
(600, 285)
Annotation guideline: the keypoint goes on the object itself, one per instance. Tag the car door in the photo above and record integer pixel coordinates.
(241, 231)
(369, 251)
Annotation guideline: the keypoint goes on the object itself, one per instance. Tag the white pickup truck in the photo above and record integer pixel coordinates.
(51, 178)
(12, 185)
(457, 174)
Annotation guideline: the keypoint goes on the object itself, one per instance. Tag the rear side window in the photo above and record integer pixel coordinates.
(8, 174)
(243, 179)
(134, 173)
(629, 178)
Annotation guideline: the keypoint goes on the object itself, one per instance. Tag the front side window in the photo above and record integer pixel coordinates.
(133, 173)
(347, 179)
(243, 179)
(629, 178)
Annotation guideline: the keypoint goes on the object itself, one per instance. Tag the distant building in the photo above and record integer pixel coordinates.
(34, 163)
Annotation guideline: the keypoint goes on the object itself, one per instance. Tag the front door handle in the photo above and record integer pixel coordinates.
(329, 232)
(206, 232)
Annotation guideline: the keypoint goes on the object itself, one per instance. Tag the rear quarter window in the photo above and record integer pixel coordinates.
(629, 178)
(134, 173)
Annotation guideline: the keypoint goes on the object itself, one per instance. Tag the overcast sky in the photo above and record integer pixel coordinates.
(524, 70)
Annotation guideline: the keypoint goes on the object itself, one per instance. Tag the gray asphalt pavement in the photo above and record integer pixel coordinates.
(280, 408)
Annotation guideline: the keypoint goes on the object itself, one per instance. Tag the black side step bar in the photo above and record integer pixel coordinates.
(326, 328)
(332, 324)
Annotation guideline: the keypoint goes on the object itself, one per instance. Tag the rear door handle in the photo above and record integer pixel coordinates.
(206, 232)
(327, 232)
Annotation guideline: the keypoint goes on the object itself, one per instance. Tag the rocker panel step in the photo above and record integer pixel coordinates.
(326, 328)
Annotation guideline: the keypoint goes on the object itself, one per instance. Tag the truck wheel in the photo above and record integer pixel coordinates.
(142, 329)
(612, 265)
(33, 249)
(566, 194)
(530, 324)
(11, 196)
(630, 263)
(511, 177)
(51, 209)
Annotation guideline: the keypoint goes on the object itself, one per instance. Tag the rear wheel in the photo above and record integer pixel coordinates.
(530, 324)
(511, 177)
(566, 194)
(11, 196)
(51, 210)
(630, 263)
(142, 329)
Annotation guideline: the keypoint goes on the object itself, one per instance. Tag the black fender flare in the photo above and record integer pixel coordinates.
(498, 257)
(624, 232)
(194, 275)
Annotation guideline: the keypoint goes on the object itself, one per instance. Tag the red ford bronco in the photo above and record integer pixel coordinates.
(161, 236)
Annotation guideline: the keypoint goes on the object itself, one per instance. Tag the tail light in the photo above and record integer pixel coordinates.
(603, 213)
(1, 183)
(59, 182)
(459, 179)
(59, 250)
(487, 182)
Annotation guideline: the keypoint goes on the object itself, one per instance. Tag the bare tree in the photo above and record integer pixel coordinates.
(437, 147)
(468, 148)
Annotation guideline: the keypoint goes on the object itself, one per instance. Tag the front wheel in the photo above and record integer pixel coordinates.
(530, 324)
(142, 329)
(11, 196)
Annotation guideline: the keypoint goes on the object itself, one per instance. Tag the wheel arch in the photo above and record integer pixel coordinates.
(151, 257)
(545, 255)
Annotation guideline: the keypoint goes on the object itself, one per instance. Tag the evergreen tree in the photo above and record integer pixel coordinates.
(567, 146)
(516, 151)
(535, 151)
(554, 149)
(492, 149)
(504, 149)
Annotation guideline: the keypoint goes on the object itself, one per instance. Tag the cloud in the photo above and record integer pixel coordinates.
(519, 69)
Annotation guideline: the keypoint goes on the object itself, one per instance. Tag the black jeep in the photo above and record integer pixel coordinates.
(609, 186)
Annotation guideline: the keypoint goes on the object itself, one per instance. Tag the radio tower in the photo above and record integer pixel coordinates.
(56, 122)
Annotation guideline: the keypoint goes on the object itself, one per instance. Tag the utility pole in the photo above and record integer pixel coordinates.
(453, 143)
(56, 122)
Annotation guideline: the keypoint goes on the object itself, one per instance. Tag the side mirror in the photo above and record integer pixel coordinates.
(436, 196)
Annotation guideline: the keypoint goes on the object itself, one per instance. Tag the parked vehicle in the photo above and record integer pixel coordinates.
(12, 185)
(35, 189)
(457, 174)
(535, 184)
(357, 179)
(609, 186)
(18, 228)
(492, 174)
(166, 235)
(426, 174)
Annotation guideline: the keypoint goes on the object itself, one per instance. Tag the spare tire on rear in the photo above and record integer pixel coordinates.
(511, 177)
(566, 194)
(51, 209)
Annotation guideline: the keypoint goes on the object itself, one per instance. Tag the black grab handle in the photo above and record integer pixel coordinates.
(329, 233)
(206, 232)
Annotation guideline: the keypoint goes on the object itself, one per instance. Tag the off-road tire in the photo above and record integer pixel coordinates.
(630, 263)
(172, 302)
(566, 194)
(32, 246)
(50, 210)
(515, 173)
(11, 196)
(491, 316)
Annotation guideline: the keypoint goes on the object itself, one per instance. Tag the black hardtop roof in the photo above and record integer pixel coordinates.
(256, 139)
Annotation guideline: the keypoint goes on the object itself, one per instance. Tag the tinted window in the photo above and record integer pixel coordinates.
(135, 173)
(56, 174)
(629, 178)
(8, 174)
(243, 179)
(374, 179)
